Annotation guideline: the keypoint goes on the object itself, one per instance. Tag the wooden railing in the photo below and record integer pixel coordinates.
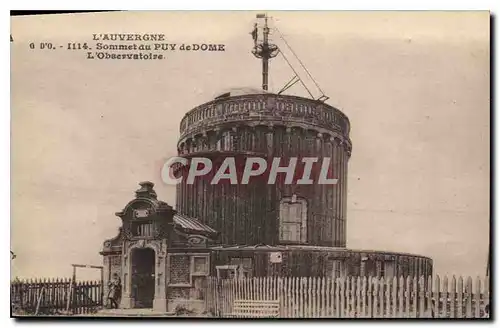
(355, 297)
(53, 297)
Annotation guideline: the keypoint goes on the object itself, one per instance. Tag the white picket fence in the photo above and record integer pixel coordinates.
(355, 297)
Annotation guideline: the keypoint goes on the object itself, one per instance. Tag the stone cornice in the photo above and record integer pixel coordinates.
(265, 108)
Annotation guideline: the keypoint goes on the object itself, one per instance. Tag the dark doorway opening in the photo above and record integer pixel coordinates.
(143, 277)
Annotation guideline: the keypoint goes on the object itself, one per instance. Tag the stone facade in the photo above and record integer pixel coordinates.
(146, 224)
(174, 275)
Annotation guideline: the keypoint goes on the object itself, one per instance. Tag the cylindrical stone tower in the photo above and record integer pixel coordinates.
(253, 123)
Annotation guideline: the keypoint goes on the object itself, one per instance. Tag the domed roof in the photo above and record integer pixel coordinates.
(241, 91)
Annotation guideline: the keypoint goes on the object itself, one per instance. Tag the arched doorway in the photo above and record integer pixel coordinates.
(143, 277)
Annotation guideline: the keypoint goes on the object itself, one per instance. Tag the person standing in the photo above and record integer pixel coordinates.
(255, 34)
(114, 294)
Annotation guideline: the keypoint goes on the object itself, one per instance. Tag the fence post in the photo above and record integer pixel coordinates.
(335, 297)
(453, 299)
(302, 296)
(347, 297)
(444, 312)
(460, 292)
(260, 288)
(228, 295)
(246, 288)
(101, 288)
(376, 283)
(213, 293)
(281, 292)
(313, 297)
(347, 304)
(369, 295)
(206, 293)
(223, 297)
(468, 298)
(486, 292)
(350, 297)
(321, 304)
(364, 287)
(39, 300)
(394, 297)
(309, 298)
(477, 299)
(437, 289)
(388, 297)
(381, 297)
(358, 297)
(352, 312)
(321, 300)
(342, 297)
(414, 295)
(69, 295)
(289, 293)
(296, 297)
(401, 286)
(328, 297)
(271, 289)
(407, 297)
(421, 297)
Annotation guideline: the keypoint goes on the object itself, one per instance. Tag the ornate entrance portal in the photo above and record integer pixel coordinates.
(138, 254)
(143, 277)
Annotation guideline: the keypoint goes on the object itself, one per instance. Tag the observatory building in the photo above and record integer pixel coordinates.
(163, 255)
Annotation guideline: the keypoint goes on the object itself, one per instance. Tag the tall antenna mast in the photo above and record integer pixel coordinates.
(264, 49)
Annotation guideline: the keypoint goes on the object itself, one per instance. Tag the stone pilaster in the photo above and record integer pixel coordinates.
(160, 300)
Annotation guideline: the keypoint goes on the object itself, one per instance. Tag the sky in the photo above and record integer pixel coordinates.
(415, 87)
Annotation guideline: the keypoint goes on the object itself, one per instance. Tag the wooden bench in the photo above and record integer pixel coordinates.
(255, 309)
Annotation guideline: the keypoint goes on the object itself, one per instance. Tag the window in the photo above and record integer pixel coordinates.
(226, 271)
(227, 141)
(293, 221)
(186, 268)
(244, 266)
(199, 266)
(179, 270)
(143, 229)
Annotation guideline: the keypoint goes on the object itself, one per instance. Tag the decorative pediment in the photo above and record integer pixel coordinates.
(139, 208)
(197, 241)
(184, 239)
(146, 216)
